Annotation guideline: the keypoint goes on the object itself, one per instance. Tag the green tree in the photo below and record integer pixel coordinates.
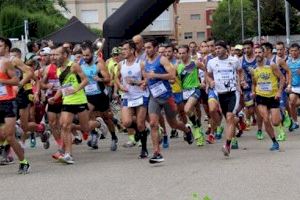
(43, 18)
(227, 26)
(273, 17)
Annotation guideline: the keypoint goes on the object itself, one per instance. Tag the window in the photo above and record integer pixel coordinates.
(89, 16)
(200, 35)
(188, 35)
(195, 16)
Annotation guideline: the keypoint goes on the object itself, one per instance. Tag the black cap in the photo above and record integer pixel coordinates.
(221, 43)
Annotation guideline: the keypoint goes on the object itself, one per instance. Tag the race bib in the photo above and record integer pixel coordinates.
(187, 93)
(158, 89)
(224, 75)
(55, 83)
(67, 89)
(267, 87)
(91, 88)
(3, 90)
(135, 102)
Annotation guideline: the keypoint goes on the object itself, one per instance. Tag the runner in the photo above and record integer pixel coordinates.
(188, 73)
(157, 71)
(267, 90)
(50, 83)
(223, 76)
(294, 88)
(98, 100)
(8, 79)
(136, 95)
(72, 81)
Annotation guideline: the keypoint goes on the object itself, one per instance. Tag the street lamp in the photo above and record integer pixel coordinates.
(287, 22)
(258, 20)
(242, 17)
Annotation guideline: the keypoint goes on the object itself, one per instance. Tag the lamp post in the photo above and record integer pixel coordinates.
(287, 22)
(242, 17)
(258, 20)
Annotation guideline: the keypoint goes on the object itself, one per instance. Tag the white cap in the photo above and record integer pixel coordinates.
(45, 51)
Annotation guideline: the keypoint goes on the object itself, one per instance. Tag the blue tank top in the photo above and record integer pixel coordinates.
(247, 67)
(157, 86)
(90, 72)
(294, 66)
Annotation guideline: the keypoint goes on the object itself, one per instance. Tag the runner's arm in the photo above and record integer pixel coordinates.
(201, 66)
(84, 81)
(168, 67)
(104, 72)
(27, 72)
(279, 75)
(11, 72)
(288, 77)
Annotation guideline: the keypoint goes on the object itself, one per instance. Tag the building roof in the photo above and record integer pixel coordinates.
(74, 31)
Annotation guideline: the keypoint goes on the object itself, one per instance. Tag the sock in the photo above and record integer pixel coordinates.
(193, 120)
(144, 140)
(274, 140)
(228, 142)
(23, 161)
(113, 136)
(131, 138)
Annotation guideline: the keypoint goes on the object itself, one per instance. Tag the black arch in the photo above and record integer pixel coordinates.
(131, 19)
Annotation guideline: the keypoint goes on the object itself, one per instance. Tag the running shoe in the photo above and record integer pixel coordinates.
(58, 154)
(281, 136)
(226, 150)
(174, 133)
(129, 144)
(94, 140)
(45, 139)
(239, 133)
(114, 144)
(210, 139)
(200, 140)
(165, 142)
(7, 157)
(234, 143)
(77, 140)
(219, 132)
(293, 126)
(32, 140)
(103, 128)
(275, 146)
(156, 158)
(143, 154)
(24, 168)
(259, 135)
(189, 136)
(287, 121)
(67, 159)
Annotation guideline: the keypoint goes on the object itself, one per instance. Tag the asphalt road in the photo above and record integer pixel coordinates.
(252, 172)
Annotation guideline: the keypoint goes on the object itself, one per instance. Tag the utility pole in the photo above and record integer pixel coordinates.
(106, 9)
(287, 22)
(258, 21)
(26, 32)
(229, 12)
(242, 16)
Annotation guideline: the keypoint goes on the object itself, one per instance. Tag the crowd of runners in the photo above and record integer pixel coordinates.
(74, 95)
